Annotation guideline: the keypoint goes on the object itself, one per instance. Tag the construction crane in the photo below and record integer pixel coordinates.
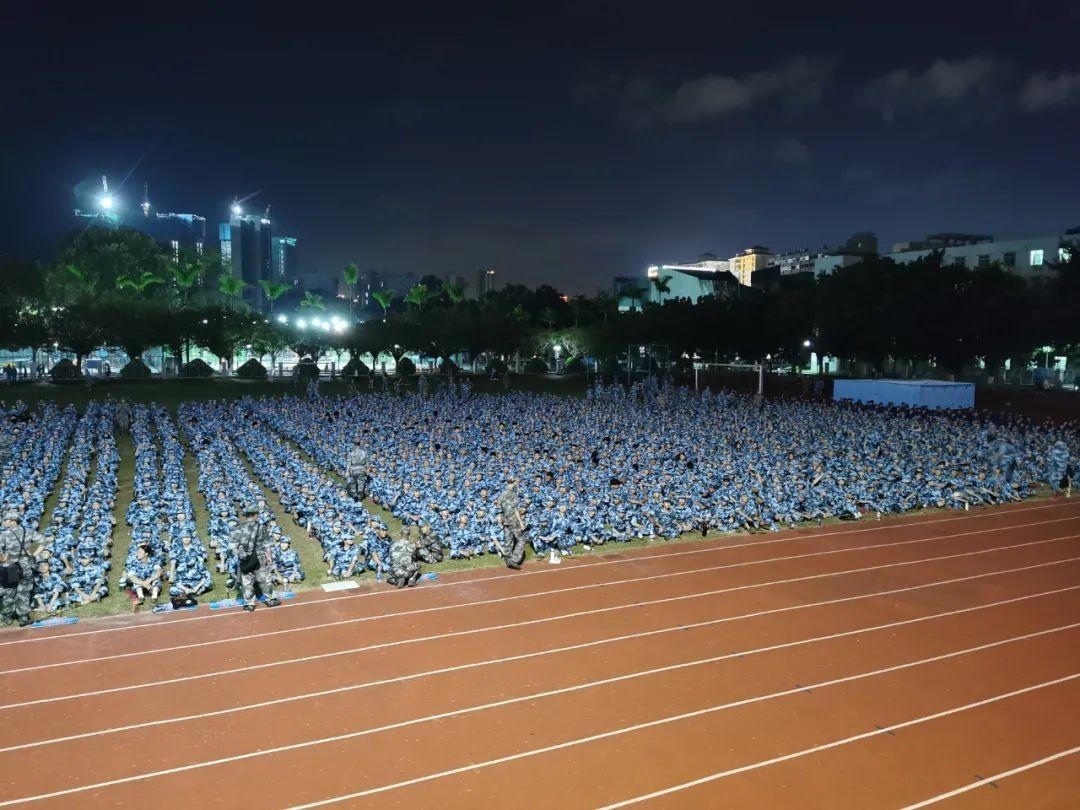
(237, 207)
(107, 201)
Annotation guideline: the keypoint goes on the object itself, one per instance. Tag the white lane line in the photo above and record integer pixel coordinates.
(550, 592)
(540, 654)
(584, 562)
(475, 631)
(801, 689)
(713, 709)
(997, 777)
(834, 744)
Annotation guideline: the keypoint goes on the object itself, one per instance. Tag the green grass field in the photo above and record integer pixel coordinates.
(171, 392)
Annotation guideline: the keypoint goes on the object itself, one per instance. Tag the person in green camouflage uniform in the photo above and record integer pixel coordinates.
(512, 547)
(404, 567)
(251, 537)
(16, 544)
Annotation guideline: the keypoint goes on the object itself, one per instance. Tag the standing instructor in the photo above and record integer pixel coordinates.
(254, 559)
(512, 547)
(356, 470)
(17, 569)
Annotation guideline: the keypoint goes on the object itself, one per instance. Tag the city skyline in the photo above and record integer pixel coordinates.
(558, 143)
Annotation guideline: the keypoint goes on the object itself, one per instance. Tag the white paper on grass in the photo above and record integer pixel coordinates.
(343, 585)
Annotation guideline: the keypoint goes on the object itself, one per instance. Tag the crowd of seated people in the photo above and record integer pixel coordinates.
(655, 462)
(186, 556)
(352, 539)
(33, 459)
(80, 534)
(649, 463)
(227, 486)
(164, 544)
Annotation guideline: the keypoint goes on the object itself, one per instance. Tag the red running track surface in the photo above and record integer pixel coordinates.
(929, 661)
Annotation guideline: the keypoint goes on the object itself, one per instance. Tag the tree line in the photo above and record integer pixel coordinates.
(118, 288)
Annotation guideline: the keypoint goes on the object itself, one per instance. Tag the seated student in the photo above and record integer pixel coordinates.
(88, 583)
(188, 577)
(49, 589)
(143, 576)
(345, 559)
(288, 562)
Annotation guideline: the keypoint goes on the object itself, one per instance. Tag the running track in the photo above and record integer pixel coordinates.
(930, 661)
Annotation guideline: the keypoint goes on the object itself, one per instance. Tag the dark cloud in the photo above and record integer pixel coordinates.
(793, 152)
(1043, 91)
(945, 83)
(795, 82)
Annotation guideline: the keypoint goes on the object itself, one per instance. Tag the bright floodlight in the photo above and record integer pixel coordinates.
(325, 326)
(107, 202)
(301, 324)
(282, 319)
(806, 343)
(237, 210)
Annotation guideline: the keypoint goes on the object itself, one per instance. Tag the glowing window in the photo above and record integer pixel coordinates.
(1036, 258)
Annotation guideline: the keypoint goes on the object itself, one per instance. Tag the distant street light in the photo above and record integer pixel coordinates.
(806, 344)
(282, 319)
(107, 202)
(301, 324)
(237, 210)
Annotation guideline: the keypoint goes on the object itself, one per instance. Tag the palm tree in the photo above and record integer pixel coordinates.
(418, 296)
(185, 274)
(662, 285)
(230, 286)
(312, 301)
(455, 292)
(78, 281)
(637, 295)
(138, 283)
(273, 291)
(604, 302)
(384, 297)
(351, 274)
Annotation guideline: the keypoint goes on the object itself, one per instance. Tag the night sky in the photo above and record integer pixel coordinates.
(562, 143)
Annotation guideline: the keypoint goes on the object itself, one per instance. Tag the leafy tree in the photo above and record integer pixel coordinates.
(138, 283)
(97, 257)
(270, 340)
(312, 301)
(133, 325)
(384, 298)
(418, 296)
(637, 293)
(662, 285)
(186, 274)
(78, 328)
(455, 293)
(231, 287)
(273, 291)
(351, 275)
(221, 330)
